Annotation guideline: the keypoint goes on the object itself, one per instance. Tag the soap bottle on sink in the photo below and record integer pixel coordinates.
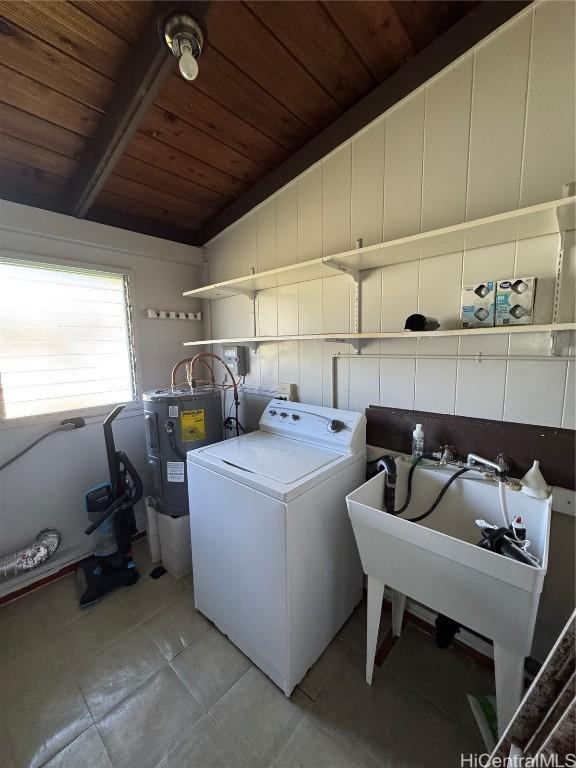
(417, 442)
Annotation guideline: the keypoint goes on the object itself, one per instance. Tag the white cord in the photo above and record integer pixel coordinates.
(503, 505)
(523, 545)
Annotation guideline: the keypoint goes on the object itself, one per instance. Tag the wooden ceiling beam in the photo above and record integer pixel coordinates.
(150, 64)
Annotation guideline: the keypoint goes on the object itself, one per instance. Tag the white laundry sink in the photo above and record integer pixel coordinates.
(437, 563)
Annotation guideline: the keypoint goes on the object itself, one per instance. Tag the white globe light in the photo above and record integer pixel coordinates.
(188, 64)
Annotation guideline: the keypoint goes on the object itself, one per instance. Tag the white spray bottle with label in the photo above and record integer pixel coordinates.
(417, 442)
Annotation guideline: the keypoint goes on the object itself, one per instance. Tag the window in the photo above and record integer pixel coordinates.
(65, 339)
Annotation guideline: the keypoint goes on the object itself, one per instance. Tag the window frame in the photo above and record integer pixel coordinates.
(94, 411)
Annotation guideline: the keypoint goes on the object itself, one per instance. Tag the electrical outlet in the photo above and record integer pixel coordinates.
(235, 358)
(289, 390)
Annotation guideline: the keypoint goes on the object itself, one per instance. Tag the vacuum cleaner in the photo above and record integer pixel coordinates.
(110, 509)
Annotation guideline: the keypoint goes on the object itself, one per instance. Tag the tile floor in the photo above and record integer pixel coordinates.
(143, 680)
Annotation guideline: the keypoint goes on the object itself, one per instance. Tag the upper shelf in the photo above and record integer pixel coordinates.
(534, 221)
(499, 329)
(295, 273)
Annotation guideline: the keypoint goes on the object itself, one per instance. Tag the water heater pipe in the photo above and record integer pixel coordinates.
(200, 357)
(188, 360)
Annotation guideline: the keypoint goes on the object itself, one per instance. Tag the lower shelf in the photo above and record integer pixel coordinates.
(552, 327)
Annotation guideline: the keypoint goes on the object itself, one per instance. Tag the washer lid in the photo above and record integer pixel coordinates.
(277, 458)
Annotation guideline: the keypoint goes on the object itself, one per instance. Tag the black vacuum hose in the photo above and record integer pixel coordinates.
(129, 497)
(64, 426)
(404, 506)
(438, 498)
(138, 490)
(436, 501)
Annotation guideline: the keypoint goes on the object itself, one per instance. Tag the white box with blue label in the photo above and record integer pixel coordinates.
(478, 305)
(515, 301)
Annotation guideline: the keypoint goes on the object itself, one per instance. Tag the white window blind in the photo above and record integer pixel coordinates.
(65, 341)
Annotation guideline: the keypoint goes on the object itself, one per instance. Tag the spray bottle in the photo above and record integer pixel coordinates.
(417, 442)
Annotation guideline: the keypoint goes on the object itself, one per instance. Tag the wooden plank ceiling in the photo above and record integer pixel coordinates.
(272, 75)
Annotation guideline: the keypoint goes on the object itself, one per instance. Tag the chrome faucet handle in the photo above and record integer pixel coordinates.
(445, 454)
(502, 463)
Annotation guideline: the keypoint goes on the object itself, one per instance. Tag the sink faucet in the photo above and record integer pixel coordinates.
(500, 466)
(446, 455)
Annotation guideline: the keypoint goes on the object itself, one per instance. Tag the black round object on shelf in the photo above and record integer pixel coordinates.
(419, 322)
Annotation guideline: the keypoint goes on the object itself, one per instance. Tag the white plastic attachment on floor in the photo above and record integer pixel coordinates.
(152, 533)
(169, 541)
(175, 544)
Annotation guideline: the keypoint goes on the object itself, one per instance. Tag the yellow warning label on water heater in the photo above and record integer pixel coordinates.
(192, 425)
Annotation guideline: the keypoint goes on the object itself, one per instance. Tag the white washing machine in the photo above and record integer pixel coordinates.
(273, 553)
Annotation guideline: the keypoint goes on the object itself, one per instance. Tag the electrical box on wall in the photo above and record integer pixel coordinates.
(236, 359)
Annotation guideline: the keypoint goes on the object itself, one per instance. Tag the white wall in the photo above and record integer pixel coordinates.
(492, 132)
(46, 487)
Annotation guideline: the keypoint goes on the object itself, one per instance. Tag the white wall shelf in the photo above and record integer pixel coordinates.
(295, 273)
(535, 221)
(356, 337)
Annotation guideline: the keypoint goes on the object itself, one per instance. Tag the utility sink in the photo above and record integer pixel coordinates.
(436, 562)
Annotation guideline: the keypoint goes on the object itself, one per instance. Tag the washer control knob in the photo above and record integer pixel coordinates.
(295, 417)
(272, 413)
(335, 425)
(283, 415)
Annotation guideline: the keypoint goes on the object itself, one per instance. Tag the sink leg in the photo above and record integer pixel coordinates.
(375, 595)
(509, 668)
(398, 603)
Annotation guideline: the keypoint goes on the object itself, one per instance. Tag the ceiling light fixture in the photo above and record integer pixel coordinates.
(184, 38)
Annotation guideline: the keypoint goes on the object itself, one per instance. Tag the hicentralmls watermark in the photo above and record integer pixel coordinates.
(520, 761)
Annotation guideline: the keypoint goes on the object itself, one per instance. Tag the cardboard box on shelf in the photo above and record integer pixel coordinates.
(478, 305)
(515, 301)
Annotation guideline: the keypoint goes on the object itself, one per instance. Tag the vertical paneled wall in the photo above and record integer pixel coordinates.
(492, 132)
